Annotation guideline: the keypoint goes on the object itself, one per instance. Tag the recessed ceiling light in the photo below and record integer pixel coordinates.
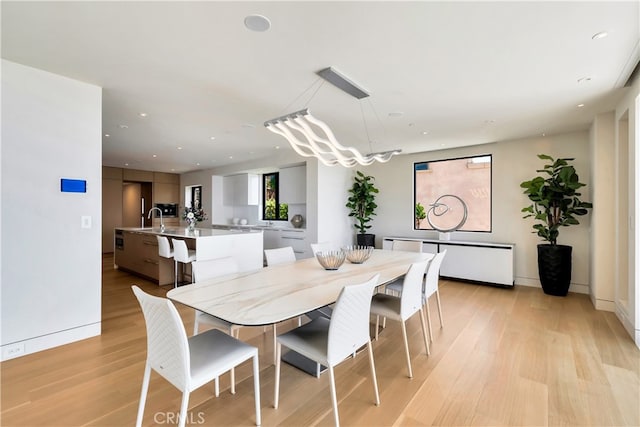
(396, 114)
(126, 164)
(155, 155)
(584, 79)
(173, 170)
(425, 132)
(600, 35)
(212, 138)
(277, 147)
(580, 105)
(257, 23)
(179, 148)
(106, 135)
(123, 127)
(197, 164)
(142, 114)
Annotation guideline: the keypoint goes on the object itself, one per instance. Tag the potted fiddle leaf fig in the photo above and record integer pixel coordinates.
(555, 203)
(362, 205)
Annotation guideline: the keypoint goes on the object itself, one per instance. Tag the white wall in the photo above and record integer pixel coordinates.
(51, 267)
(513, 162)
(602, 193)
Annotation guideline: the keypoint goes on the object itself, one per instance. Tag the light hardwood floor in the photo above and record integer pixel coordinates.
(504, 357)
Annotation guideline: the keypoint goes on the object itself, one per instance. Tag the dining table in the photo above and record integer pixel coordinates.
(281, 292)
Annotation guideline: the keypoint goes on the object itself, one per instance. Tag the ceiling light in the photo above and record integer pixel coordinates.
(126, 164)
(212, 138)
(179, 148)
(143, 114)
(580, 105)
(324, 146)
(197, 164)
(106, 135)
(123, 126)
(277, 147)
(425, 132)
(600, 35)
(155, 155)
(257, 23)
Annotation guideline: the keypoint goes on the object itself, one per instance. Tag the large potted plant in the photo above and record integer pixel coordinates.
(555, 203)
(362, 205)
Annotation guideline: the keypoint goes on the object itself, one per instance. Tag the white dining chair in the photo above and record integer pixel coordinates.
(165, 251)
(330, 342)
(276, 257)
(431, 287)
(188, 363)
(403, 307)
(208, 269)
(279, 255)
(182, 254)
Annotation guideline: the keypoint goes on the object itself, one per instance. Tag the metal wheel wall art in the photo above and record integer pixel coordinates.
(448, 213)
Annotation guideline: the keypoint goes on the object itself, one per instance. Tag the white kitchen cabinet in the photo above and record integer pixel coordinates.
(293, 185)
(271, 239)
(241, 190)
(298, 241)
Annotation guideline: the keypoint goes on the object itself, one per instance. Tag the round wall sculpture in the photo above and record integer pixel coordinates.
(444, 204)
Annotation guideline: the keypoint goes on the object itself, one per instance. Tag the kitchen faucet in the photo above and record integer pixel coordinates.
(161, 223)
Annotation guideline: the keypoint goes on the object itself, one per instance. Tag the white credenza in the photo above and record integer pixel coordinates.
(473, 261)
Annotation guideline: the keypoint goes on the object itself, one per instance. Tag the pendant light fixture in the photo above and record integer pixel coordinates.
(311, 137)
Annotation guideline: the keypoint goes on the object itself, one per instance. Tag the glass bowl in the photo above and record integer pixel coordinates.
(358, 254)
(330, 260)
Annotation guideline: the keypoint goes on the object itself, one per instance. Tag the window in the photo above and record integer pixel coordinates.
(448, 182)
(272, 209)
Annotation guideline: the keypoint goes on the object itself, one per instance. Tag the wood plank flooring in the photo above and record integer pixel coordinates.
(504, 357)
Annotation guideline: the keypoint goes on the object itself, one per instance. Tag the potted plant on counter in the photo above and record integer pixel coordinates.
(362, 206)
(555, 203)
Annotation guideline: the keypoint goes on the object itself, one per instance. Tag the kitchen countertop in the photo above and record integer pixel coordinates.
(254, 227)
(184, 232)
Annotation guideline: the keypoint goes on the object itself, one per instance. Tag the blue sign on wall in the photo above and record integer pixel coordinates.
(73, 185)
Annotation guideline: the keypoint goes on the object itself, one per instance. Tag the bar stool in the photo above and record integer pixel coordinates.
(165, 251)
(182, 254)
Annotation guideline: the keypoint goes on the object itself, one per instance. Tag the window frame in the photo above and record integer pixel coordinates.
(469, 157)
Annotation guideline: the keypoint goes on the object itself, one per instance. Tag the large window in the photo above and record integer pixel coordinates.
(440, 187)
(272, 209)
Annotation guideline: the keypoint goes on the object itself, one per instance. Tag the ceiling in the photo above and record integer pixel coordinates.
(440, 74)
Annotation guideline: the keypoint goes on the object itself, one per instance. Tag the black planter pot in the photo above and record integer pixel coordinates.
(366, 239)
(554, 268)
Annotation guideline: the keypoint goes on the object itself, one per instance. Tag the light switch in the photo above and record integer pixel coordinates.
(86, 222)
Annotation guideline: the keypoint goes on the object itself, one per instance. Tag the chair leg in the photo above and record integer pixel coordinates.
(276, 357)
(175, 274)
(373, 373)
(426, 305)
(406, 348)
(217, 387)
(195, 325)
(334, 400)
(256, 387)
(183, 409)
(439, 308)
(276, 392)
(424, 332)
(233, 380)
(377, 325)
(143, 393)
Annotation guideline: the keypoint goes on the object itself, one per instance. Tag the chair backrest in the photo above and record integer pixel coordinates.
(411, 298)
(349, 327)
(433, 274)
(321, 247)
(407, 245)
(180, 250)
(279, 255)
(167, 345)
(210, 268)
(164, 248)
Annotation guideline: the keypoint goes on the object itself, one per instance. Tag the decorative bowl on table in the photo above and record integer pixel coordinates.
(330, 260)
(358, 254)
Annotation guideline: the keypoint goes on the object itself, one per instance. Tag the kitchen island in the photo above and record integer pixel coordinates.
(136, 249)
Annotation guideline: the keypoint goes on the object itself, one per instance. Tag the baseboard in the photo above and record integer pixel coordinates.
(34, 345)
(604, 305)
(535, 283)
(634, 333)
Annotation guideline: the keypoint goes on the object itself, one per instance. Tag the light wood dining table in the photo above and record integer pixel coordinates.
(277, 293)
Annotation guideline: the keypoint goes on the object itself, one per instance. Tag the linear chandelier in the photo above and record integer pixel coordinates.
(321, 142)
